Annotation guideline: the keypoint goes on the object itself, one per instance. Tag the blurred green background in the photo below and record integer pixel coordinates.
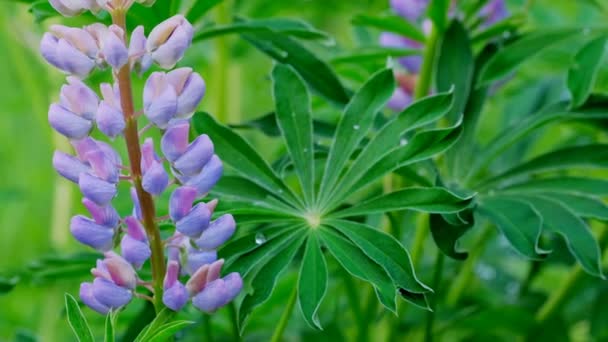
(35, 205)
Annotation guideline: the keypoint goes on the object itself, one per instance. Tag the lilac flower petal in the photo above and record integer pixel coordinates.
(190, 88)
(196, 156)
(494, 11)
(110, 152)
(181, 201)
(103, 167)
(214, 270)
(219, 231)
(86, 295)
(120, 270)
(110, 120)
(79, 98)
(148, 156)
(140, 59)
(48, 49)
(88, 232)
(73, 60)
(156, 179)
(110, 294)
(67, 123)
(160, 100)
(195, 222)
(218, 293)
(106, 215)
(409, 9)
(175, 141)
(196, 259)
(135, 229)
(114, 49)
(211, 173)
(69, 166)
(176, 296)
(399, 100)
(134, 251)
(169, 40)
(198, 280)
(136, 204)
(96, 189)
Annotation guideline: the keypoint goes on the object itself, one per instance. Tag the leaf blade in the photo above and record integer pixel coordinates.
(312, 283)
(77, 321)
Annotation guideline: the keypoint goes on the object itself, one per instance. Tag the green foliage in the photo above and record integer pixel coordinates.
(77, 321)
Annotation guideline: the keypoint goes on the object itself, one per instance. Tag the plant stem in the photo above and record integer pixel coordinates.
(465, 275)
(207, 327)
(148, 209)
(423, 83)
(278, 332)
(220, 70)
(234, 320)
(430, 318)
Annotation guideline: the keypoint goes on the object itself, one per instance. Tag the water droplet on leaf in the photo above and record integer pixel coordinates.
(260, 239)
(403, 142)
(356, 127)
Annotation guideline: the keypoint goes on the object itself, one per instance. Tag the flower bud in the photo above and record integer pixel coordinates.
(195, 222)
(78, 98)
(120, 271)
(202, 276)
(175, 294)
(174, 142)
(218, 293)
(139, 58)
(110, 118)
(67, 123)
(190, 89)
(113, 47)
(72, 50)
(103, 167)
(70, 8)
(110, 294)
(155, 179)
(69, 166)
(218, 232)
(136, 204)
(106, 216)
(196, 259)
(180, 202)
(206, 179)
(197, 155)
(409, 9)
(160, 100)
(134, 245)
(96, 189)
(90, 233)
(168, 41)
(86, 295)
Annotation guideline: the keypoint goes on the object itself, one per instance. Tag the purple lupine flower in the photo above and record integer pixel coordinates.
(399, 100)
(134, 244)
(175, 295)
(155, 179)
(410, 10)
(110, 118)
(218, 232)
(169, 40)
(494, 11)
(169, 100)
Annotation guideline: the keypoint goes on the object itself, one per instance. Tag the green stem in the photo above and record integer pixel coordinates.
(221, 74)
(234, 320)
(207, 327)
(278, 332)
(422, 230)
(148, 208)
(423, 83)
(430, 318)
(462, 281)
(368, 316)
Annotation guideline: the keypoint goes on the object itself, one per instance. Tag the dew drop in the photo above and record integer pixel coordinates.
(403, 142)
(260, 239)
(280, 191)
(305, 150)
(586, 31)
(356, 127)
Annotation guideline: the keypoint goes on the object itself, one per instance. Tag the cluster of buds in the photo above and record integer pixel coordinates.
(413, 11)
(170, 98)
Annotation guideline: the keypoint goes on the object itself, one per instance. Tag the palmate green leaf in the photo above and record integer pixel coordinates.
(77, 321)
(390, 254)
(199, 8)
(589, 186)
(594, 155)
(287, 27)
(267, 124)
(518, 221)
(432, 200)
(391, 23)
(455, 66)
(528, 46)
(264, 281)
(354, 124)
(167, 330)
(317, 74)
(236, 152)
(245, 263)
(359, 265)
(294, 118)
(582, 205)
(560, 219)
(446, 233)
(312, 283)
(583, 72)
(372, 54)
(554, 113)
(162, 318)
(424, 145)
(253, 240)
(418, 114)
(230, 188)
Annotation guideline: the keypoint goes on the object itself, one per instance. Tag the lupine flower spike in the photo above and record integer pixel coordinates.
(170, 98)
